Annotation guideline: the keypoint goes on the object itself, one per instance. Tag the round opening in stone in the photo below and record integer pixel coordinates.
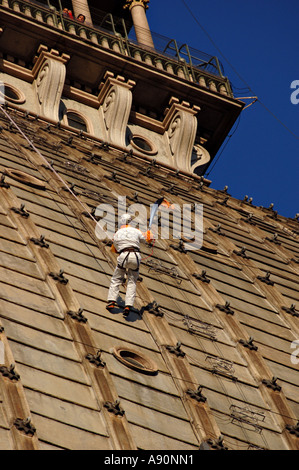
(136, 361)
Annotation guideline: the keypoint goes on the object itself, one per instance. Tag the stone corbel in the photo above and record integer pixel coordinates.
(49, 73)
(115, 100)
(180, 124)
(200, 157)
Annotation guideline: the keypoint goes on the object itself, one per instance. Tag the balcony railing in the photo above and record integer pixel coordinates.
(168, 55)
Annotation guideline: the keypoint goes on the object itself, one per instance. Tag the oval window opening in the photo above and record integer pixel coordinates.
(11, 94)
(142, 144)
(134, 360)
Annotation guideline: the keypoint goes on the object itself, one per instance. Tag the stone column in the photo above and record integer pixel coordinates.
(142, 30)
(81, 6)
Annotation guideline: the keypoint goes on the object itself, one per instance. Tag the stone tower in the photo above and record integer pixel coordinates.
(170, 105)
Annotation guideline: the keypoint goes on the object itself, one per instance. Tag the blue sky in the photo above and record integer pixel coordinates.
(257, 43)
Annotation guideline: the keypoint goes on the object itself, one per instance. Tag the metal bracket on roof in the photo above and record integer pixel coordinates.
(223, 202)
(96, 359)
(40, 241)
(293, 429)
(21, 211)
(196, 394)
(59, 277)
(72, 189)
(249, 219)
(10, 373)
(216, 229)
(272, 384)
(266, 279)
(249, 344)
(180, 247)
(274, 239)
(114, 408)
(216, 444)
(225, 308)
(25, 425)
(241, 252)
(78, 315)
(104, 146)
(292, 310)
(113, 177)
(202, 277)
(154, 309)
(2, 182)
(176, 350)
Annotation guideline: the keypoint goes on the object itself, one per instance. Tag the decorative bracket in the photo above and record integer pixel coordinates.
(202, 277)
(293, 429)
(180, 124)
(49, 73)
(115, 99)
(3, 184)
(266, 279)
(40, 241)
(291, 310)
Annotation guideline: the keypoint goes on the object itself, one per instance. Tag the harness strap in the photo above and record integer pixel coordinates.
(130, 250)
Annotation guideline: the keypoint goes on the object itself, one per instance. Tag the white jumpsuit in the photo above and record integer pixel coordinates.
(126, 238)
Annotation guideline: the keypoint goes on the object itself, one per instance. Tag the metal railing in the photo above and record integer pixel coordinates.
(179, 60)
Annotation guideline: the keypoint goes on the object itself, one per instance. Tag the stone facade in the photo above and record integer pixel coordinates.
(208, 359)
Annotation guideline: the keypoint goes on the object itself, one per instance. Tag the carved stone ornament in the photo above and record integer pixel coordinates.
(132, 3)
(200, 157)
(115, 99)
(49, 73)
(180, 128)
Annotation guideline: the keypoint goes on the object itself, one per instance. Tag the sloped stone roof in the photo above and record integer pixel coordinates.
(222, 336)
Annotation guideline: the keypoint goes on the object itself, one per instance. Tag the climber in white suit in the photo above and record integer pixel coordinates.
(126, 242)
